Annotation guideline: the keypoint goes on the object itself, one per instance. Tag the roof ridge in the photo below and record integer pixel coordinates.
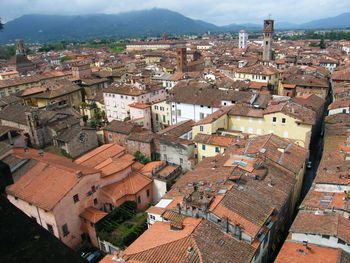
(197, 248)
(98, 150)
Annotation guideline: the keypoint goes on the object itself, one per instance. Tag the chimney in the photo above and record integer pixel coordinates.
(179, 208)
(41, 153)
(79, 174)
(224, 224)
(189, 250)
(281, 150)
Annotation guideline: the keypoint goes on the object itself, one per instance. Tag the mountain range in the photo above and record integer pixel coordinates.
(152, 22)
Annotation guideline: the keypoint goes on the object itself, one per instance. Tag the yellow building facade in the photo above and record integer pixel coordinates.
(161, 115)
(278, 123)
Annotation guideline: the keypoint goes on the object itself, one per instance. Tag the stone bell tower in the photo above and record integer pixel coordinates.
(268, 32)
(20, 50)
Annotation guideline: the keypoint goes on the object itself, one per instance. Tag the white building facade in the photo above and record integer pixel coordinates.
(243, 39)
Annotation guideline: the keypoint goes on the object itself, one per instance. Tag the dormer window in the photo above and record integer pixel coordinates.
(76, 198)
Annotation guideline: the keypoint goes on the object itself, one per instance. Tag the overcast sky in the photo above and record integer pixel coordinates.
(219, 12)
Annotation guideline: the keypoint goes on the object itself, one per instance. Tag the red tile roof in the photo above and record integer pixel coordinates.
(150, 238)
(130, 185)
(100, 154)
(93, 215)
(44, 185)
(293, 252)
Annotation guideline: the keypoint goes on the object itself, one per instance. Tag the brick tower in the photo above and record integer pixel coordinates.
(181, 59)
(268, 32)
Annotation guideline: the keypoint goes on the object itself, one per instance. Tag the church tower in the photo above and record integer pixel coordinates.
(268, 32)
(20, 50)
(242, 39)
(181, 59)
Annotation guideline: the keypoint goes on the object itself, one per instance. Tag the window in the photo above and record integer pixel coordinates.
(110, 137)
(164, 118)
(65, 230)
(326, 236)
(147, 192)
(201, 128)
(76, 198)
(201, 115)
(93, 189)
(203, 147)
(217, 149)
(49, 228)
(181, 161)
(283, 120)
(139, 199)
(157, 118)
(95, 201)
(341, 241)
(152, 217)
(344, 110)
(274, 119)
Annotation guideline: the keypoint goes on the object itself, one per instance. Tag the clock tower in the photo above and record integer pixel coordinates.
(268, 32)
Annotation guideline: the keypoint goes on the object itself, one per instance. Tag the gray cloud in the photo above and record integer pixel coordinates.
(220, 12)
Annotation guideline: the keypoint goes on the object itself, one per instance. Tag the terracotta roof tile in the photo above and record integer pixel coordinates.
(293, 252)
(214, 139)
(100, 154)
(326, 224)
(130, 185)
(150, 238)
(92, 214)
(43, 185)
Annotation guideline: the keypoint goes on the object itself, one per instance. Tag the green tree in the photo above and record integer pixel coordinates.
(7, 51)
(322, 44)
(313, 44)
(65, 58)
